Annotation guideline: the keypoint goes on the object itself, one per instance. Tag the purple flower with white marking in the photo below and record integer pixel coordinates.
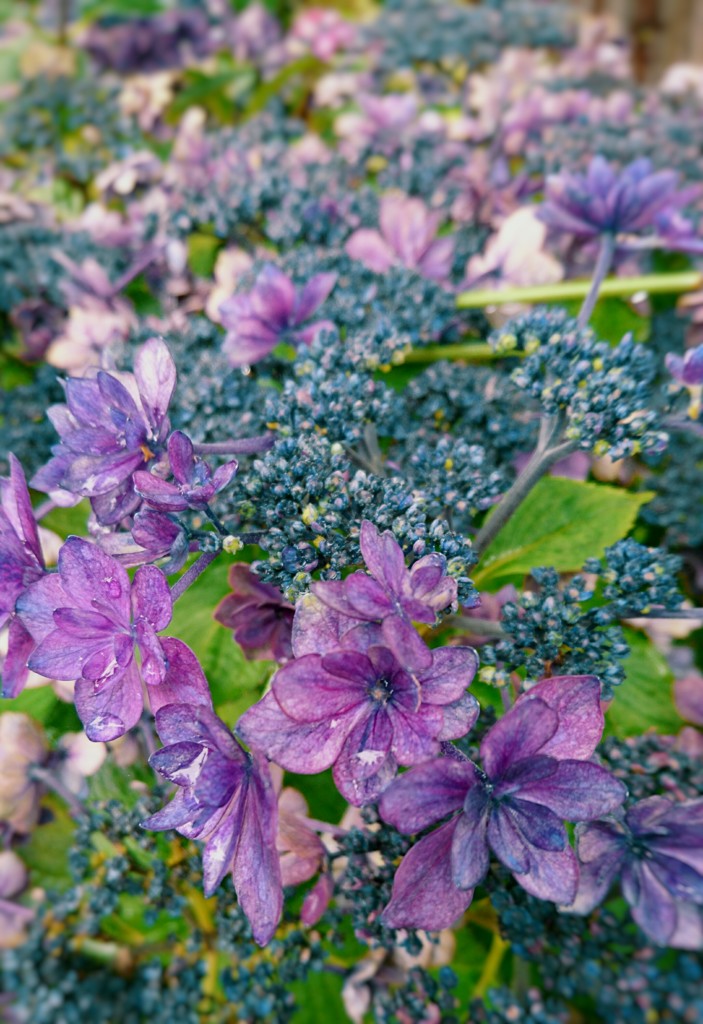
(225, 799)
(111, 426)
(656, 849)
(88, 619)
(195, 483)
(408, 236)
(534, 777)
(260, 618)
(358, 709)
(392, 595)
(606, 200)
(687, 371)
(21, 564)
(274, 311)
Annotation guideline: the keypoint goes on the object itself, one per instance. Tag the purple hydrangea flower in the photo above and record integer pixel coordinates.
(87, 620)
(352, 705)
(273, 312)
(21, 564)
(657, 850)
(227, 800)
(606, 200)
(258, 615)
(195, 485)
(110, 427)
(154, 535)
(534, 776)
(392, 595)
(687, 370)
(408, 236)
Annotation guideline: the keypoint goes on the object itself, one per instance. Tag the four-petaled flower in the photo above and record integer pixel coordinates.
(274, 311)
(657, 850)
(227, 800)
(195, 485)
(259, 616)
(352, 705)
(87, 620)
(21, 564)
(392, 595)
(606, 200)
(534, 776)
(408, 236)
(111, 426)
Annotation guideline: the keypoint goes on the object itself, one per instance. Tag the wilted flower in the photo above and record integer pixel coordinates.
(87, 620)
(273, 312)
(14, 918)
(225, 799)
(392, 595)
(21, 564)
(408, 236)
(657, 850)
(514, 256)
(111, 426)
(608, 201)
(22, 746)
(195, 485)
(687, 370)
(260, 618)
(534, 776)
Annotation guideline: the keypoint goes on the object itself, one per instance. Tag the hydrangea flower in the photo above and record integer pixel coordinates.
(87, 620)
(535, 775)
(274, 311)
(605, 200)
(657, 850)
(21, 564)
(352, 705)
(227, 800)
(22, 745)
(110, 427)
(14, 917)
(687, 371)
(408, 236)
(195, 483)
(392, 595)
(260, 618)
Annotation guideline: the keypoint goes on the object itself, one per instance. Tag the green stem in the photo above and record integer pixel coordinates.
(491, 966)
(473, 351)
(564, 291)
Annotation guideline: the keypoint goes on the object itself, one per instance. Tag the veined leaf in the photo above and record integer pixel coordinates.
(645, 700)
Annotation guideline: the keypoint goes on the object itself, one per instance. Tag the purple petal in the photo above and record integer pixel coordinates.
(360, 595)
(577, 791)
(415, 734)
(180, 763)
(60, 657)
(14, 667)
(18, 507)
(303, 748)
(155, 373)
(94, 580)
(153, 658)
(311, 297)
(181, 456)
(452, 670)
(223, 474)
(436, 261)
(114, 709)
(383, 556)
(426, 794)
(179, 722)
(273, 298)
(366, 765)
(424, 894)
(602, 850)
(470, 845)
(151, 597)
(406, 643)
(257, 872)
(178, 812)
(524, 730)
(367, 246)
(653, 907)
(459, 717)
(221, 846)
(36, 606)
(307, 692)
(184, 681)
(160, 494)
(576, 701)
(507, 841)
(551, 875)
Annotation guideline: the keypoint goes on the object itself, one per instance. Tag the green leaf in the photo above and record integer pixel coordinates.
(319, 998)
(68, 521)
(202, 253)
(231, 677)
(612, 318)
(645, 700)
(42, 704)
(560, 523)
(46, 852)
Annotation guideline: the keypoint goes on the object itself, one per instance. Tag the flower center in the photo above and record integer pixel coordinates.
(381, 691)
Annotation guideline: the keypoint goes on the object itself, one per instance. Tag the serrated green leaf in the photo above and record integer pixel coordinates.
(560, 523)
(230, 675)
(645, 700)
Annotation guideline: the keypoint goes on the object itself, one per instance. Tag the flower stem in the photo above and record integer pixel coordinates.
(472, 351)
(491, 966)
(564, 291)
(542, 460)
(605, 258)
(481, 627)
(191, 575)
(49, 779)
(237, 446)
